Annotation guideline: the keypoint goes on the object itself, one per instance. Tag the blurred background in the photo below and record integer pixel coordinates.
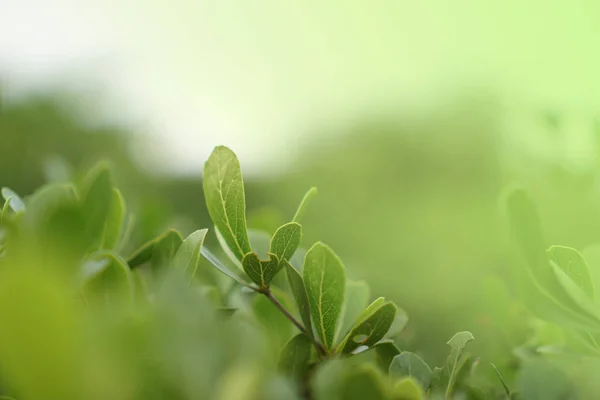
(410, 117)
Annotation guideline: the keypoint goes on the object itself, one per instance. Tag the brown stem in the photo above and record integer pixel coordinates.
(321, 350)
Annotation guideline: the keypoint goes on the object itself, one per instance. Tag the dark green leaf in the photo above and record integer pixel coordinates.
(573, 264)
(260, 271)
(299, 293)
(13, 200)
(114, 222)
(225, 199)
(286, 240)
(188, 256)
(165, 249)
(325, 280)
(408, 389)
(142, 255)
(506, 389)
(371, 326)
(312, 192)
(295, 356)
(410, 364)
(386, 350)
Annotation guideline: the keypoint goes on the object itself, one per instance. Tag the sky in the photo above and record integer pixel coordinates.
(262, 75)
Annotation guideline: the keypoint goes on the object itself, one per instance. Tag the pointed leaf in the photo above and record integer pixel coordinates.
(295, 357)
(165, 249)
(225, 199)
(325, 280)
(221, 267)
(142, 255)
(371, 326)
(13, 200)
(458, 343)
(259, 271)
(299, 293)
(574, 265)
(357, 299)
(286, 240)
(408, 389)
(114, 221)
(188, 256)
(312, 192)
(411, 365)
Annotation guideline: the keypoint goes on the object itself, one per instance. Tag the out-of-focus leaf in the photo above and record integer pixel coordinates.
(539, 380)
(457, 344)
(308, 197)
(356, 300)
(225, 199)
(142, 255)
(408, 389)
(409, 364)
(13, 200)
(295, 357)
(276, 326)
(386, 350)
(325, 280)
(98, 197)
(259, 271)
(188, 256)
(364, 382)
(399, 323)
(114, 222)
(286, 241)
(328, 380)
(165, 249)
(110, 283)
(574, 265)
(221, 267)
(300, 296)
(371, 326)
(260, 242)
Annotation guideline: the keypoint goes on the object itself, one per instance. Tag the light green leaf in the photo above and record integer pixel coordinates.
(299, 293)
(221, 267)
(357, 299)
(574, 265)
(408, 389)
(409, 364)
(399, 323)
(371, 327)
(96, 203)
(286, 240)
(107, 278)
(364, 382)
(308, 197)
(114, 221)
(386, 350)
(295, 357)
(325, 280)
(165, 249)
(13, 200)
(260, 271)
(188, 256)
(4, 210)
(458, 343)
(225, 199)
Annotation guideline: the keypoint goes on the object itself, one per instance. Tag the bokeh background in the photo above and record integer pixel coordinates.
(411, 117)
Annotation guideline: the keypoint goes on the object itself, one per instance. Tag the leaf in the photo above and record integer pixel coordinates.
(408, 389)
(371, 326)
(165, 249)
(574, 265)
(286, 241)
(308, 197)
(411, 365)
(506, 389)
(299, 293)
(260, 242)
(386, 350)
(188, 256)
(96, 203)
(259, 271)
(114, 222)
(364, 382)
(13, 200)
(357, 299)
(225, 199)
(399, 323)
(109, 279)
(142, 255)
(221, 267)
(325, 281)
(458, 343)
(4, 209)
(539, 380)
(295, 357)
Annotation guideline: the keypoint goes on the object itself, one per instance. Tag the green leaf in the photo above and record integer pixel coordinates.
(188, 256)
(114, 222)
(399, 323)
(294, 359)
(408, 389)
(142, 255)
(299, 293)
(325, 280)
(539, 380)
(371, 326)
(504, 385)
(308, 197)
(386, 350)
(411, 365)
(225, 199)
(13, 200)
(364, 382)
(458, 343)
(259, 271)
(574, 265)
(260, 242)
(286, 240)
(221, 267)
(95, 206)
(107, 278)
(357, 299)
(4, 210)
(165, 249)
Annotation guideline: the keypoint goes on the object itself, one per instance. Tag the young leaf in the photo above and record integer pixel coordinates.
(111, 280)
(371, 326)
(299, 293)
(386, 350)
(408, 389)
(259, 271)
(357, 299)
(286, 240)
(295, 356)
(312, 192)
(96, 203)
(114, 222)
(165, 249)
(410, 364)
(458, 343)
(225, 199)
(325, 281)
(13, 200)
(188, 256)
(573, 264)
